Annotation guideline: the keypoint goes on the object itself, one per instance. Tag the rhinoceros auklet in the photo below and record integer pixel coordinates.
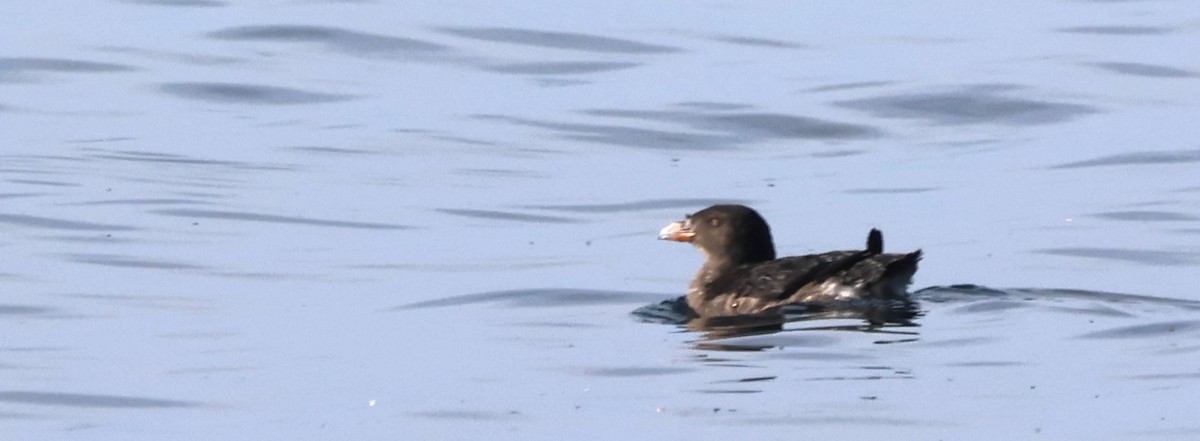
(741, 275)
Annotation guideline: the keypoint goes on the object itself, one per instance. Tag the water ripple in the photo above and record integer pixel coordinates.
(273, 218)
(1117, 30)
(1138, 158)
(237, 93)
(1145, 330)
(21, 69)
(180, 3)
(129, 262)
(343, 40)
(634, 371)
(1147, 215)
(1148, 257)
(88, 400)
(627, 136)
(973, 105)
(558, 40)
(897, 190)
(750, 125)
(1146, 70)
(772, 125)
(848, 86)
(176, 159)
(24, 310)
(560, 68)
(757, 42)
(467, 415)
(712, 106)
(136, 202)
(539, 297)
(702, 129)
(642, 205)
(58, 224)
(506, 215)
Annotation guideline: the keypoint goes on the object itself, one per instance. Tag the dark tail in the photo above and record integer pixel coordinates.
(875, 242)
(897, 275)
(903, 268)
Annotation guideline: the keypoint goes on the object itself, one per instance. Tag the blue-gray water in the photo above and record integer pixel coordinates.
(351, 220)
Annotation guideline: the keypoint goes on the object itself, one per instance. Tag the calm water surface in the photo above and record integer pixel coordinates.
(339, 220)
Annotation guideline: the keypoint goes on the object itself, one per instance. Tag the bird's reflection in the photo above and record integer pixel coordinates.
(890, 318)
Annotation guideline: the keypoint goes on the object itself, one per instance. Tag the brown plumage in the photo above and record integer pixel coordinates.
(741, 275)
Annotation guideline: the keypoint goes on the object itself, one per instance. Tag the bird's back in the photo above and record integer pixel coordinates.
(815, 279)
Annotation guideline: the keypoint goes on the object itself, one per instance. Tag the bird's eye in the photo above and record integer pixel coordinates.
(714, 222)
